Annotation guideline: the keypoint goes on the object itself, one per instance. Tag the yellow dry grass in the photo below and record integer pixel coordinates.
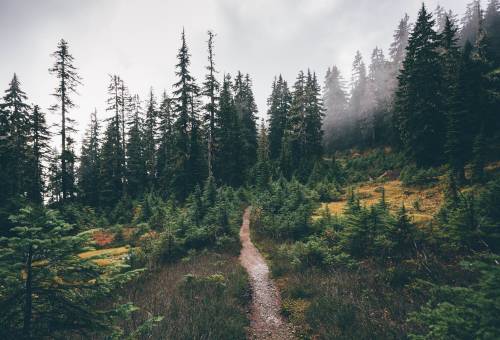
(106, 256)
(106, 252)
(428, 199)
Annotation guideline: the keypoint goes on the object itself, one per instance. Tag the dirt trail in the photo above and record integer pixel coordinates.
(265, 321)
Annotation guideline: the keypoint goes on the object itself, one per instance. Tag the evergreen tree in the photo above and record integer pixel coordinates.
(335, 103)
(381, 90)
(149, 140)
(361, 101)
(89, 171)
(211, 90)
(302, 138)
(39, 145)
(466, 117)
(397, 53)
(440, 15)
(378, 76)
(16, 131)
(263, 166)
(359, 87)
(314, 113)
(228, 169)
(54, 186)
(125, 101)
(164, 171)
(136, 163)
(492, 27)
(356, 237)
(295, 135)
(479, 156)
(397, 50)
(196, 161)
(185, 102)
(47, 289)
(470, 23)
(209, 193)
(116, 105)
(487, 100)
(419, 108)
(68, 80)
(5, 161)
(455, 115)
(279, 106)
(246, 110)
(402, 234)
(112, 154)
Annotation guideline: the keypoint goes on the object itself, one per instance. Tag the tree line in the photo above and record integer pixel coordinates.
(168, 145)
(431, 98)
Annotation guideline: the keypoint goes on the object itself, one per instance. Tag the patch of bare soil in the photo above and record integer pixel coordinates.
(266, 321)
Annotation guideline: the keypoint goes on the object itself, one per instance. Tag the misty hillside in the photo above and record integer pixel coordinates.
(352, 206)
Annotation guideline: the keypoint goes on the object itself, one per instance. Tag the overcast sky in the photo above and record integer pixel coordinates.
(139, 39)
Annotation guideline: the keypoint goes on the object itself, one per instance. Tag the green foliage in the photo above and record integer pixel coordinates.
(368, 166)
(90, 165)
(209, 219)
(413, 176)
(489, 215)
(419, 114)
(327, 191)
(463, 312)
(228, 158)
(67, 82)
(335, 319)
(47, 289)
(207, 305)
(285, 211)
(204, 295)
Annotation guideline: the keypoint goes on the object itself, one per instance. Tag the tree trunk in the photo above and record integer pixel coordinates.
(28, 300)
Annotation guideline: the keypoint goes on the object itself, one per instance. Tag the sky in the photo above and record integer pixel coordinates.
(139, 40)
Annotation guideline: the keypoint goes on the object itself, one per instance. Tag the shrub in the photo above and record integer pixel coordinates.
(204, 296)
(413, 176)
(371, 165)
(286, 210)
(463, 312)
(333, 318)
(327, 191)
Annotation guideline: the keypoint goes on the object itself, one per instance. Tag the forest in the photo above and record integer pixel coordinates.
(375, 202)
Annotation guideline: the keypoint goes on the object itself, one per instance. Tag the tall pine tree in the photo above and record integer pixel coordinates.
(211, 89)
(185, 100)
(246, 110)
(39, 146)
(279, 106)
(89, 172)
(68, 80)
(419, 108)
(150, 137)
(136, 163)
(228, 166)
(16, 130)
(165, 159)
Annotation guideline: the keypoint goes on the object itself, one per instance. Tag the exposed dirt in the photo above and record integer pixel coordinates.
(266, 321)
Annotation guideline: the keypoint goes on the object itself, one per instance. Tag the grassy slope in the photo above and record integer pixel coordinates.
(204, 296)
(358, 303)
(421, 203)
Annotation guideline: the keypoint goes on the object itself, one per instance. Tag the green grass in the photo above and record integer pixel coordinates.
(204, 296)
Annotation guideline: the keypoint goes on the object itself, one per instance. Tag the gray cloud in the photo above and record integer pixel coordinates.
(138, 39)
